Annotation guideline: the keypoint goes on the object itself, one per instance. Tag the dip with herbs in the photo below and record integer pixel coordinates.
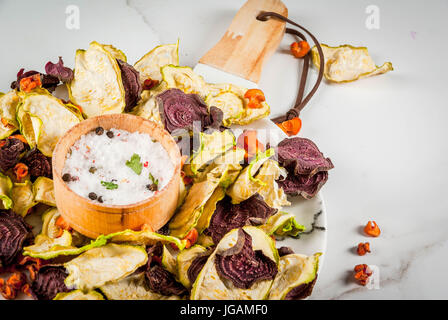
(117, 167)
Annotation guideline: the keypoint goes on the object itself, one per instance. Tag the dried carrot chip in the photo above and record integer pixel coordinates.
(256, 97)
(20, 137)
(8, 292)
(362, 273)
(149, 84)
(300, 49)
(372, 229)
(249, 142)
(6, 124)
(291, 127)
(29, 83)
(16, 280)
(191, 238)
(21, 171)
(26, 289)
(363, 248)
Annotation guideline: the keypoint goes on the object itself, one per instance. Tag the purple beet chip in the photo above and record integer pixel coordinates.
(244, 266)
(131, 84)
(302, 156)
(58, 70)
(306, 165)
(302, 184)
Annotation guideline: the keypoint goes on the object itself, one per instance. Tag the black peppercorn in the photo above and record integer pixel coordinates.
(66, 177)
(92, 169)
(92, 196)
(100, 199)
(110, 134)
(152, 187)
(99, 131)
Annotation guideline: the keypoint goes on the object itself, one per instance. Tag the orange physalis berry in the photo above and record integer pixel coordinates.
(191, 238)
(149, 84)
(256, 97)
(29, 83)
(21, 171)
(300, 49)
(291, 127)
(363, 248)
(372, 229)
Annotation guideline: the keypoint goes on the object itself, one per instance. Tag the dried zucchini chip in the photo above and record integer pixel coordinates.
(144, 238)
(5, 192)
(184, 260)
(43, 189)
(347, 63)
(295, 278)
(147, 107)
(185, 79)
(205, 240)
(149, 65)
(96, 267)
(79, 295)
(210, 286)
(45, 247)
(252, 114)
(283, 224)
(22, 197)
(259, 176)
(49, 227)
(272, 194)
(116, 53)
(211, 146)
(132, 288)
(168, 260)
(97, 86)
(44, 119)
(229, 98)
(190, 212)
(8, 105)
(229, 164)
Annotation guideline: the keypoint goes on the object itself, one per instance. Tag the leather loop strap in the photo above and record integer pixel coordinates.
(300, 101)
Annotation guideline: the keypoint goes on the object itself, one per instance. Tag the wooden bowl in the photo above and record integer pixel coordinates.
(93, 219)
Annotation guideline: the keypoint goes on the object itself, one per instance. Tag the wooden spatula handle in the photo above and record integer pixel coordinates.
(248, 42)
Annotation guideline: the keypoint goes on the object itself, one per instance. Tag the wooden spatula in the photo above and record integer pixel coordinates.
(239, 56)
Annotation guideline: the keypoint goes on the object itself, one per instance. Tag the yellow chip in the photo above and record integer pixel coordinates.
(97, 85)
(347, 63)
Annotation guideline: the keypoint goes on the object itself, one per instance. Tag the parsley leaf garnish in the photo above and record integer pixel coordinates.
(154, 180)
(135, 164)
(109, 185)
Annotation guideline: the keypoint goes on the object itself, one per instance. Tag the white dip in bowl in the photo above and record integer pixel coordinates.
(117, 167)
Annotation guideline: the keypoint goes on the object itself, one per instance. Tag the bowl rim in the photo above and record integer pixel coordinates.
(103, 208)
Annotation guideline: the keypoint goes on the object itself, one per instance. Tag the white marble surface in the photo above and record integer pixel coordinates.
(386, 135)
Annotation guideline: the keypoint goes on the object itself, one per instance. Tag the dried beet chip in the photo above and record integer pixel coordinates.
(244, 266)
